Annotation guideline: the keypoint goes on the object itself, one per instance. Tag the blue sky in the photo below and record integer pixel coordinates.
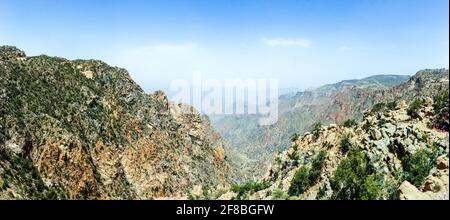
(303, 43)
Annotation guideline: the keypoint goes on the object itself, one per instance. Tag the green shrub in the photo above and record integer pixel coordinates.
(441, 110)
(349, 123)
(294, 137)
(378, 107)
(278, 194)
(305, 177)
(316, 167)
(371, 189)
(321, 194)
(206, 195)
(391, 187)
(441, 102)
(414, 108)
(353, 178)
(316, 127)
(249, 187)
(192, 196)
(416, 167)
(300, 182)
(345, 143)
(294, 157)
(391, 105)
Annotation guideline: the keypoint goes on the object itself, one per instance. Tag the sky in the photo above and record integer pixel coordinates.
(302, 43)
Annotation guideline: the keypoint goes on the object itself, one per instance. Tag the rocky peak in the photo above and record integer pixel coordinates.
(11, 52)
(428, 74)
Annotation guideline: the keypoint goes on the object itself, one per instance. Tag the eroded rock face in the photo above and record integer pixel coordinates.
(86, 131)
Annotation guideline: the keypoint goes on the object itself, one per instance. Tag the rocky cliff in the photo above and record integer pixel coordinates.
(394, 153)
(84, 130)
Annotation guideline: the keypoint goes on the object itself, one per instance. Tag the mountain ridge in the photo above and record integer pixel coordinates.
(84, 130)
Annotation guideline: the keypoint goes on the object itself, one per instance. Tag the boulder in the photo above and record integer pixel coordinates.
(389, 129)
(376, 134)
(410, 192)
(442, 163)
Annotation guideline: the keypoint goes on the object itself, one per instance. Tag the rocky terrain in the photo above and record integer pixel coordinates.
(329, 104)
(394, 153)
(84, 130)
(81, 129)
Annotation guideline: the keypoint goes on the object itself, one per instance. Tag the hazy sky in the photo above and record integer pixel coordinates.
(303, 43)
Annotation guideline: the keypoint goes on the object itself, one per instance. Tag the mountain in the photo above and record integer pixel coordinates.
(82, 129)
(297, 113)
(393, 153)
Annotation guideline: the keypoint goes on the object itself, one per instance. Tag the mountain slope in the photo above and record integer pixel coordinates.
(297, 113)
(332, 103)
(84, 130)
(391, 154)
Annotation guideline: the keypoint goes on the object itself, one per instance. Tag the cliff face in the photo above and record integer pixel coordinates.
(84, 130)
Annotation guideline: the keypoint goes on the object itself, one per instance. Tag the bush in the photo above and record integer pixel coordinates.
(316, 167)
(305, 177)
(378, 107)
(349, 123)
(321, 194)
(391, 187)
(371, 189)
(440, 102)
(294, 137)
(391, 105)
(353, 178)
(316, 127)
(278, 194)
(416, 167)
(300, 182)
(294, 157)
(441, 110)
(414, 108)
(249, 187)
(345, 143)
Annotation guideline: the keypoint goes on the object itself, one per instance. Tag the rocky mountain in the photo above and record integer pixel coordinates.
(297, 113)
(395, 153)
(82, 129)
(329, 104)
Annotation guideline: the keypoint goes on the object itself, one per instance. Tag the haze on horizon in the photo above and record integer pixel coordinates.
(302, 43)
